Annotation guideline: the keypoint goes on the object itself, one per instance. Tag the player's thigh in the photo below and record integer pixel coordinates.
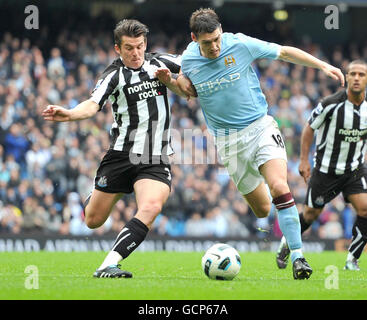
(359, 202)
(99, 207)
(271, 158)
(274, 172)
(150, 196)
(259, 200)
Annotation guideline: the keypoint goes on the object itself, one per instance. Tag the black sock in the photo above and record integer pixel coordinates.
(130, 237)
(304, 225)
(359, 238)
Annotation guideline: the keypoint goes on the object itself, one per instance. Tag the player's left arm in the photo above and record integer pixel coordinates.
(164, 75)
(298, 56)
(170, 63)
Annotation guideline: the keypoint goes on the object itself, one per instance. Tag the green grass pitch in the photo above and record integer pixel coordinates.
(175, 276)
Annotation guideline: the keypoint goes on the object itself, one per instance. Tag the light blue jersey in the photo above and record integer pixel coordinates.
(228, 88)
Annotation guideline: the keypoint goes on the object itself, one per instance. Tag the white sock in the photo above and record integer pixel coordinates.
(112, 258)
(350, 257)
(295, 254)
(283, 242)
(297, 250)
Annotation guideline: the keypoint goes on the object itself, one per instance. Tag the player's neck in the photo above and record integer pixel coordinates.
(356, 98)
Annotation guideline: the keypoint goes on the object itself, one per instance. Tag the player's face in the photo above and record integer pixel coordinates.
(357, 78)
(209, 43)
(132, 51)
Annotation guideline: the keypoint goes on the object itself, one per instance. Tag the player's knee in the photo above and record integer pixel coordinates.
(92, 221)
(263, 211)
(150, 210)
(362, 212)
(278, 188)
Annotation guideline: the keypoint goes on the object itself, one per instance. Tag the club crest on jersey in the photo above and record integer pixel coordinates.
(229, 61)
(320, 200)
(98, 84)
(102, 182)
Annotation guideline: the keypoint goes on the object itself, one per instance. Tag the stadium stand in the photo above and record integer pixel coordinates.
(46, 169)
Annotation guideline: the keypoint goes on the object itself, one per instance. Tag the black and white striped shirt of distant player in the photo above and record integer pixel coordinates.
(140, 106)
(341, 134)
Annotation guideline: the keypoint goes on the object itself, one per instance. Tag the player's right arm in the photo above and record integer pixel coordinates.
(298, 56)
(84, 110)
(306, 142)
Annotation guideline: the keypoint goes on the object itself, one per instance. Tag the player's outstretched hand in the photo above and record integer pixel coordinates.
(56, 113)
(304, 170)
(164, 75)
(334, 73)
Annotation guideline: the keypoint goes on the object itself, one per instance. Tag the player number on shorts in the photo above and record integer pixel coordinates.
(278, 140)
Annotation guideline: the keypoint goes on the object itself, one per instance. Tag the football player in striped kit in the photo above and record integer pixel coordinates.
(137, 161)
(341, 124)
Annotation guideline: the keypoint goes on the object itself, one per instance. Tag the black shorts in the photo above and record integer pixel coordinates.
(117, 174)
(322, 187)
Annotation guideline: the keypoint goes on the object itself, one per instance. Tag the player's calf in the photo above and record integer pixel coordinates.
(130, 237)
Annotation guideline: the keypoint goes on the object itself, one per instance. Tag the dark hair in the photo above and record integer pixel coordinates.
(204, 21)
(131, 28)
(358, 61)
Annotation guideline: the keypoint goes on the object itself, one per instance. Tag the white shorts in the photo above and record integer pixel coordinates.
(244, 151)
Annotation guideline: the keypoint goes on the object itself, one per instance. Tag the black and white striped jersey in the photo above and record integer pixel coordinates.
(341, 134)
(139, 104)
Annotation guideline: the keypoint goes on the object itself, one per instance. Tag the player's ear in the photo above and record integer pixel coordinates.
(145, 43)
(193, 37)
(117, 49)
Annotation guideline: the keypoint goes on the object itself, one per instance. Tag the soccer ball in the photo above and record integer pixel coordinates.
(221, 262)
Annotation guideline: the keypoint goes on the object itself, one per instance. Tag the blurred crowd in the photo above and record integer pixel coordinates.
(47, 169)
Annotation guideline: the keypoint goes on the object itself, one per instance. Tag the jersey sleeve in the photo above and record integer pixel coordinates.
(105, 86)
(171, 61)
(260, 49)
(317, 116)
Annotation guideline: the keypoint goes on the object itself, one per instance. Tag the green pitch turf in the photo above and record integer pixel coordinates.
(174, 276)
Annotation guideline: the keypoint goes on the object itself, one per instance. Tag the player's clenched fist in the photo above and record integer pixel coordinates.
(56, 113)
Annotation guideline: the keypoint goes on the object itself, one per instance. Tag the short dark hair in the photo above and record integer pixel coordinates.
(358, 61)
(204, 21)
(131, 28)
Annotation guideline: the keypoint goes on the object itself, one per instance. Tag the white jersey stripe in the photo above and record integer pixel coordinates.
(330, 145)
(348, 124)
(159, 126)
(141, 136)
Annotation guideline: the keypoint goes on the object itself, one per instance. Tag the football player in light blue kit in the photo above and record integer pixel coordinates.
(249, 142)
